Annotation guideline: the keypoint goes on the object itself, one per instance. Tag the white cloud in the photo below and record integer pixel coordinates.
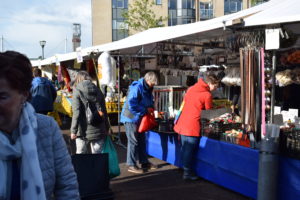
(23, 27)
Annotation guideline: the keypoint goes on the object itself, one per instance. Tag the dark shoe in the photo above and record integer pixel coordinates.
(135, 169)
(147, 166)
(190, 178)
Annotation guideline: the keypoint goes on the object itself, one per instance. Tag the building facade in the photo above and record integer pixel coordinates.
(108, 23)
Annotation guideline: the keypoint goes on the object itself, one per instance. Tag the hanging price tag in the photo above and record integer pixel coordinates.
(57, 63)
(272, 38)
(79, 55)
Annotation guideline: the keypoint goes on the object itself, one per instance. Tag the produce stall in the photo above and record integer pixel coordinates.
(63, 104)
(103, 74)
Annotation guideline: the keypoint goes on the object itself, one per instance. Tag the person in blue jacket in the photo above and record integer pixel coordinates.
(43, 93)
(139, 101)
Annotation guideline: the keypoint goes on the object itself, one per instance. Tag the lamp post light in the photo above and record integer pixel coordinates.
(43, 43)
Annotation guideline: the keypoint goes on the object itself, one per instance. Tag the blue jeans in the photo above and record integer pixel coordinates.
(136, 145)
(189, 146)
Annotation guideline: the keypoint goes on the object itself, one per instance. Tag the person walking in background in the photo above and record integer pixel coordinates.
(84, 133)
(43, 93)
(138, 102)
(197, 98)
(34, 161)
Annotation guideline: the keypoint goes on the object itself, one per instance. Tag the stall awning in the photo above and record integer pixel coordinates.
(283, 11)
(154, 35)
(172, 33)
(54, 59)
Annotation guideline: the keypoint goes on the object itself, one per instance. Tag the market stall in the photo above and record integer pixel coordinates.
(103, 73)
(232, 166)
(63, 104)
(269, 82)
(228, 153)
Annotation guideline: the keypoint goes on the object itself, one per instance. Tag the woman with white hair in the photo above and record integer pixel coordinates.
(139, 101)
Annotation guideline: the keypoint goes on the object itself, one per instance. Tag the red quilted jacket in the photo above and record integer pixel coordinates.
(197, 98)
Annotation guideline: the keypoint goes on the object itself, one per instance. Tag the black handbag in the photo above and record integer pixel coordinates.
(91, 112)
(93, 176)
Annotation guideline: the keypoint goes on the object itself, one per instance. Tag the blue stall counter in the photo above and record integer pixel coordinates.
(229, 165)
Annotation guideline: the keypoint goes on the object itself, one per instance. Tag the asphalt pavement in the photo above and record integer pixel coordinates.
(163, 183)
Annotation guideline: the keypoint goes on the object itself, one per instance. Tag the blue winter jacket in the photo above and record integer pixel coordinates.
(139, 98)
(60, 179)
(43, 94)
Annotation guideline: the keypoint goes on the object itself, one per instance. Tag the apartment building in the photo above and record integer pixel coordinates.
(108, 23)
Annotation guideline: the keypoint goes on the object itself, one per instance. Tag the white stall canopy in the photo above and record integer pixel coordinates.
(180, 32)
(282, 11)
(193, 31)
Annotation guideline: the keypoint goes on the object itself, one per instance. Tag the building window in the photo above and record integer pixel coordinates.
(172, 4)
(188, 4)
(120, 3)
(257, 2)
(181, 12)
(119, 25)
(119, 34)
(206, 10)
(158, 2)
(172, 17)
(232, 6)
(119, 28)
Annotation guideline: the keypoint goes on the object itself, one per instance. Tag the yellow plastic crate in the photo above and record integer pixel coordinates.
(217, 103)
(112, 107)
(63, 105)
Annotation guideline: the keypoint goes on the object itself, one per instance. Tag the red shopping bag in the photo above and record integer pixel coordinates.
(244, 141)
(147, 123)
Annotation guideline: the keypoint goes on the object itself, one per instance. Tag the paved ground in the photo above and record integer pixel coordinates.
(162, 184)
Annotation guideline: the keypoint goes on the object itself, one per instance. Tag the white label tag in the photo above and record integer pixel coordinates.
(272, 38)
(277, 110)
(57, 63)
(79, 55)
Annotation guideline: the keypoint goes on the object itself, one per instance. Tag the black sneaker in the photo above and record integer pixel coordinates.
(135, 169)
(147, 166)
(190, 178)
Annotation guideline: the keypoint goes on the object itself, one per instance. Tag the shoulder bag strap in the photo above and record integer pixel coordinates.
(83, 99)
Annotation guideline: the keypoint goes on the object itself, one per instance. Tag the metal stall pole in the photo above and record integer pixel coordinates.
(119, 141)
(258, 98)
(268, 165)
(268, 154)
(273, 86)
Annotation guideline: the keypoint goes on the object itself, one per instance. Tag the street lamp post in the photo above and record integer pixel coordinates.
(43, 43)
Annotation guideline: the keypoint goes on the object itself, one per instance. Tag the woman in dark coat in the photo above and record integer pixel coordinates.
(85, 133)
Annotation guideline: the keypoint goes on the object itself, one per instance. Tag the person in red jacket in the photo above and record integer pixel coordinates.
(197, 98)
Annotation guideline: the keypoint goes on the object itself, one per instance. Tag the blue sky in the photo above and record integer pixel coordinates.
(23, 23)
